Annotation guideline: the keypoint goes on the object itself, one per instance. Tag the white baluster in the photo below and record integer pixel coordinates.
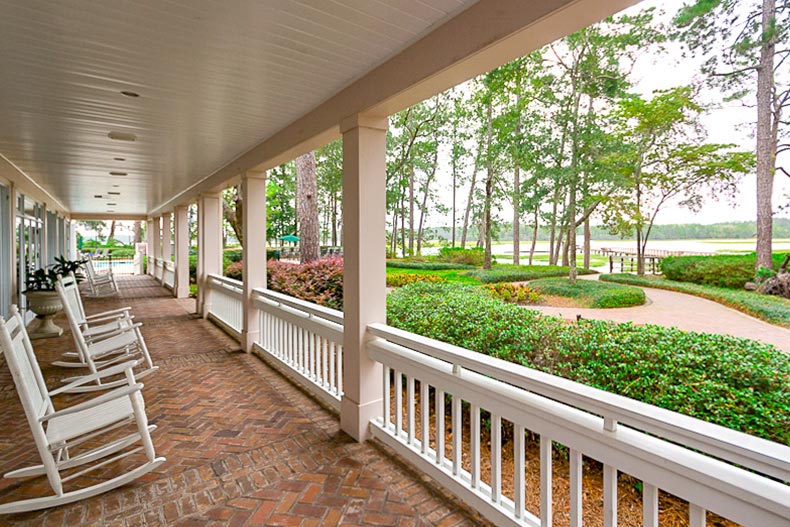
(519, 485)
(697, 516)
(425, 410)
(456, 426)
(649, 505)
(398, 385)
(496, 458)
(439, 426)
(410, 407)
(546, 477)
(474, 445)
(576, 487)
(609, 496)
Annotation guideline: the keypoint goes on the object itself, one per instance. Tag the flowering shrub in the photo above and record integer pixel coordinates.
(513, 293)
(235, 270)
(399, 280)
(320, 282)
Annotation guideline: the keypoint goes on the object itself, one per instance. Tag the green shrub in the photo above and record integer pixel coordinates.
(521, 273)
(731, 271)
(773, 309)
(591, 293)
(726, 380)
(428, 266)
(474, 257)
(399, 280)
(235, 270)
(233, 255)
(513, 293)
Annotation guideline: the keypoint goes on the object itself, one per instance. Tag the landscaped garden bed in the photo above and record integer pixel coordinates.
(590, 293)
(773, 309)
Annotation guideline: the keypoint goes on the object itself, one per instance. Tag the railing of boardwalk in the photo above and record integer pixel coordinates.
(169, 275)
(304, 341)
(735, 475)
(440, 399)
(225, 302)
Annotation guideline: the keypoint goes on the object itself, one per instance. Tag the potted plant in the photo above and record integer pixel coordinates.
(43, 300)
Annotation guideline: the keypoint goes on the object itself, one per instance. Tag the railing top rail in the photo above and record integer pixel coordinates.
(308, 307)
(227, 283)
(749, 451)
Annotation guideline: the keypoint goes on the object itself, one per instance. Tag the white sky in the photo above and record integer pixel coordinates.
(728, 123)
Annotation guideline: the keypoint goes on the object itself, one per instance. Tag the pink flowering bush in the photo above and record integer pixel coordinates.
(320, 282)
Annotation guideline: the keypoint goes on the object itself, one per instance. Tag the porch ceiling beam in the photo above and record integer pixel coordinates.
(488, 34)
(108, 216)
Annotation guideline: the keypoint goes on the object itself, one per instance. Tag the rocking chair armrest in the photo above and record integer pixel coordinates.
(110, 318)
(103, 314)
(92, 377)
(114, 333)
(117, 393)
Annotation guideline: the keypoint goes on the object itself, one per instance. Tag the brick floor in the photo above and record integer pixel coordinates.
(243, 445)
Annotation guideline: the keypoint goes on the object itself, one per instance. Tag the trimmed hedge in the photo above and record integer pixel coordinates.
(735, 382)
(590, 293)
(731, 271)
(773, 309)
(521, 273)
(513, 293)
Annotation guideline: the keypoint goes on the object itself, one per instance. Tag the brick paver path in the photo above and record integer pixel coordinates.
(243, 445)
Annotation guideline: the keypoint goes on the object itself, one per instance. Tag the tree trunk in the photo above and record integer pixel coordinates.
(411, 211)
(489, 191)
(587, 243)
(766, 144)
(111, 236)
(516, 216)
(469, 204)
(553, 227)
(534, 234)
(455, 181)
(334, 221)
(138, 232)
(309, 237)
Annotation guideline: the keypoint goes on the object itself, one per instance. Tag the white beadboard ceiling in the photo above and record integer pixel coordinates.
(214, 78)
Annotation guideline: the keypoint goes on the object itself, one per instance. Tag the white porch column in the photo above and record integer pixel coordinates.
(209, 246)
(166, 238)
(253, 196)
(149, 251)
(364, 283)
(181, 289)
(45, 234)
(156, 240)
(10, 260)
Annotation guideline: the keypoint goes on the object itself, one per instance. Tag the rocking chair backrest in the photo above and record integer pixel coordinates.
(70, 295)
(89, 268)
(24, 368)
(73, 316)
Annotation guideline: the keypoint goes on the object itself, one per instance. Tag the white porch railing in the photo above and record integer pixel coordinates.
(158, 268)
(659, 447)
(224, 303)
(169, 276)
(304, 341)
(714, 468)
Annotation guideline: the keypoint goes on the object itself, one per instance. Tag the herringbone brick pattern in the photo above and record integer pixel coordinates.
(243, 445)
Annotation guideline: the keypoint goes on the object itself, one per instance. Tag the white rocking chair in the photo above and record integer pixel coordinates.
(104, 345)
(55, 432)
(100, 284)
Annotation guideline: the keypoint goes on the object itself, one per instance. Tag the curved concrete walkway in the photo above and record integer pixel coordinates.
(692, 313)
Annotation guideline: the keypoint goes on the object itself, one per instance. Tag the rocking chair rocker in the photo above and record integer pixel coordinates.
(57, 433)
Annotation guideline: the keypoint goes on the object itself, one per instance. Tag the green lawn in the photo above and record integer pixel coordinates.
(772, 309)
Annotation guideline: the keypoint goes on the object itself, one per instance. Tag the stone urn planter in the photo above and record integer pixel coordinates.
(45, 304)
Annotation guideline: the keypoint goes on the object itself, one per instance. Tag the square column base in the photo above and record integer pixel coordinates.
(355, 418)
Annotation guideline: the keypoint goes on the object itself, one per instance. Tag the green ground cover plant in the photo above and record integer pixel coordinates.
(426, 265)
(731, 271)
(520, 273)
(458, 276)
(735, 382)
(513, 293)
(773, 309)
(591, 293)
(457, 255)
(399, 280)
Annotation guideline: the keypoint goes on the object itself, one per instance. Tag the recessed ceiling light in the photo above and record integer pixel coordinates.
(111, 193)
(98, 196)
(114, 173)
(111, 204)
(122, 136)
(116, 186)
(130, 93)
(119, 158)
